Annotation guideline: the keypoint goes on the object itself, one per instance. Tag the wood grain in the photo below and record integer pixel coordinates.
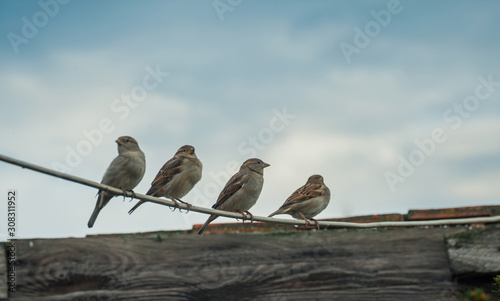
(3, 272)
(397, 264)
(474, 252)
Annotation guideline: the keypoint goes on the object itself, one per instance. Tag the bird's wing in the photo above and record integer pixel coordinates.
(233, 185)
(115, 170)
(166, 173)
(303, 194)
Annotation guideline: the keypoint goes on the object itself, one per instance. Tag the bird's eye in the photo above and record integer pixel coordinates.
(127, 140)
(258, 162)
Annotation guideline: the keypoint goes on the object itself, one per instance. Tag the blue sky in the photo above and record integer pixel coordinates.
(267, 78)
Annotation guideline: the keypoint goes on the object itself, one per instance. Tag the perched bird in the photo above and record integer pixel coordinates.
(124, 172)
(241, 191)
(177, 177)
(307, 201)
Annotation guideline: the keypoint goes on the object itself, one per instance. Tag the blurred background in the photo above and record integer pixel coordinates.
(395, 103)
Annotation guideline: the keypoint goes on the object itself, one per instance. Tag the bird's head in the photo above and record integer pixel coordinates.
(127, 143)
(315, 179)
(186, 151)
(254, 164)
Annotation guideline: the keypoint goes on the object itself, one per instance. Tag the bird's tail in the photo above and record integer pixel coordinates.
(136, 206)
(102, 199)
(94, 215)
(279, 211)
(209, 220)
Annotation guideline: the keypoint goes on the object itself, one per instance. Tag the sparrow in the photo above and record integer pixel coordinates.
(307, 201)
(177, 177)
(241, 191)
(124, 172)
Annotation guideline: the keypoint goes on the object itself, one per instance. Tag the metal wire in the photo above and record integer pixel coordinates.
(166, 202)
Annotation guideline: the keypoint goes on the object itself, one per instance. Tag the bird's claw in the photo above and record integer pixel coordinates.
(133, 195)
(185, 203)
(308, 222)
(125, 194)
(315, 222)
(244, 216)
(176, 205)
(251, 216)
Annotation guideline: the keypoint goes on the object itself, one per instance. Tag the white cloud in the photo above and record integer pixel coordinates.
(353, 121)
(483, 188)
(473, 138)
(164, 114)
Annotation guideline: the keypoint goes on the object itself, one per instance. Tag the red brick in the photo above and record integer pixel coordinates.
(448, 213)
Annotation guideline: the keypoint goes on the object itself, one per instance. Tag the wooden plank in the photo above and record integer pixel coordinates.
(3, 272)
(475, 252)
(409, 264)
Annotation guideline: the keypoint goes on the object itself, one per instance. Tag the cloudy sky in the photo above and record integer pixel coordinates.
(396, 104)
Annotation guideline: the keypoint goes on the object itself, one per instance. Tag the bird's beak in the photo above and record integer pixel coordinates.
(119, 142)
(264, 165)
(191, 151)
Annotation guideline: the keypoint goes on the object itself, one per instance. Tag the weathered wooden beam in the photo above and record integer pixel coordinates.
(402, 264)
(3, 272)
(474, 252)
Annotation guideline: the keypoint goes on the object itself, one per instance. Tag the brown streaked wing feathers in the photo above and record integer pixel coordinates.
(166, 173)
(302, 194)
(233, 185)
